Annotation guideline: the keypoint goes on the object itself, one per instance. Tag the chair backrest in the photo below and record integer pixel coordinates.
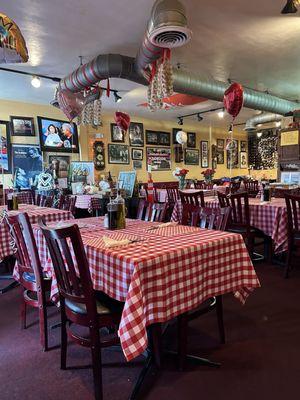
(43, 200)
(251, 187)
(223, 199)
(70, 266)
(61, 201)
(142, 209)
(211, 218)
(27, 253)
(240, 214)
(208, 186)
(196, 198)
(173, 195)
(70, 203)
(154, 212)
(234, 186)
(188, 210)
(199, 185)
(293, 213)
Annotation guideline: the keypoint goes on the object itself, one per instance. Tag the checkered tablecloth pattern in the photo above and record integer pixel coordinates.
(88, 202)
(25, 198)
(49, 214)
(269, 217)
(169, 271)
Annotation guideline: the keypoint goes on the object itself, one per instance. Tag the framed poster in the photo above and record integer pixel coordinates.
(82, 171)
(191, 157)
(5, 148)
(164, 139)
(27, 164)
(118, 154)
(22, 126)
(126, 181)
(152, 137)
(220, 156)
(220, 144)
(64, 164)
(204, 153)
(137, 164)
(159, 158)
(137, 154)
(243, 145)
(232, 153)
(136, 134)
(58, 136)
(243, 158)
(191, 139)
(117, 135)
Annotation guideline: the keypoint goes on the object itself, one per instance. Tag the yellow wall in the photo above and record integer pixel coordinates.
(87, 137)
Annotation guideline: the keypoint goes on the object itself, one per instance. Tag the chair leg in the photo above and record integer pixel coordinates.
(182, 340)
(97, 366)
(23, 310)
(63, 341)
(288, 260)
(219, 309)
(43, 327)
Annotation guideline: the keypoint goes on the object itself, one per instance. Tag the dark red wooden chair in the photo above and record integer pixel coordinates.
(70, 203)
(252, 188)
(35, 286)
(199, 185)
(188, 210)
(61, 201)
(234, 187)
(208, 186)
(211, 218)
(43, 200)
(78, 303)
(152, 212)
(196, 198)
(293, 214)
(173, 195)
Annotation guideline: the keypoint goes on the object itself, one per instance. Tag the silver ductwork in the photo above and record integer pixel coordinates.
(167, 28)
(264, 118)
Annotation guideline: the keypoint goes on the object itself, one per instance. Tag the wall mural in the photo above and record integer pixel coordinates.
(263, 152)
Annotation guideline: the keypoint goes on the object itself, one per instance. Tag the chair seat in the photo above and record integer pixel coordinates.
(240, 229)
(80, 308)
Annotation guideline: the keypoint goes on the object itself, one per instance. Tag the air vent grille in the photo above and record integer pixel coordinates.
(168, 38)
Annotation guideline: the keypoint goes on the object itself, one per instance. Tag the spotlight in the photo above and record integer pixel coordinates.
(290, 7)
(199, 118)
(230, 130)
(36, 81)
(117, 97)
(221, 113)
(278, 124)
(180, 121)
(259, 134)
(259, 125)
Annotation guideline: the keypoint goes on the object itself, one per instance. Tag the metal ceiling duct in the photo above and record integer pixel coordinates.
(264, 118)
(167, 28)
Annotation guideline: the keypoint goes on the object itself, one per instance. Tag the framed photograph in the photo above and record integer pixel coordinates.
(63, 166)
(27, 164)
(191, 156)
(22, 126)
(191, 139)
(152, 137)
(243, 145)
(243, 158)
(5, 148)
(126, 181)
(220, 144)
(136, 134)
(232, 153)
(58, 136)
(137, 164)
(220, 156)
(117, 135)
(137, 154)
(204, 153)
(82, 171)
(164, 139)
(159, 158)
(118, 154)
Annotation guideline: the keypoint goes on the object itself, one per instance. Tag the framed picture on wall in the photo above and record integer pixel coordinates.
(58, 136)
(164, 139)
(243, 145)
(191, 157)
(118, 154)
(5, 148)
(204, 153)
(63, 166)
(220, 144)
(243, 158)
(232, 153)
(27, 164)
(137, 154)
(220, 156)
(82, 171)
(136, 134)
(137, 164)
(152, 137)
(117, 135)
(159, 158)
(191, 139)
(22, 126)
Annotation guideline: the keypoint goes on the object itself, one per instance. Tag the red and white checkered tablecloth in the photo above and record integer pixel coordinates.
(49, 214)
(172, 270)
(269, 217)
(88, 202)
(25, 198)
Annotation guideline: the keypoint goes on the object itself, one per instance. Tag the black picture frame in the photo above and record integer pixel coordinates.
(220, 157)
(5, 155)
(115, 156)
(191, 140)
(204, 150)
(64, 163)
(159, 158)
(232, 153)
(134, 153)
(164, 139)
(22, 126)
(117, 135)
(152, 137)
(68, 145)
(243, 144)
(191, 157)
(137, 164)
(27, 163)
(220, 144)
(136, 134)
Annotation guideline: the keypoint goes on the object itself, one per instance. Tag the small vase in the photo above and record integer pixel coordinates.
(181, 182)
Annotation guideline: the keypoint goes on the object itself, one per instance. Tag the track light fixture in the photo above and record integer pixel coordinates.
(180, 121)
(199, 118)
(290, 7)
(278, 124)
(221, 113)
(117, 97)
(36, 81)
(259, 134)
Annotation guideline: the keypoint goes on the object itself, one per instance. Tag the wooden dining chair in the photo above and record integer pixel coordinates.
(199, 185)
(35, 285)
(70, 204)
(151, 212)
(78, 303)
(208, 186)
(211, 218)
(196, 198)
(61, 201)
(293, 216)
(252, 188)
(172, 195)
(234, 187)
(43, 200)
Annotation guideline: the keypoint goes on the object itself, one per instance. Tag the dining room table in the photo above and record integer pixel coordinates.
(270, 217)
(163, 271)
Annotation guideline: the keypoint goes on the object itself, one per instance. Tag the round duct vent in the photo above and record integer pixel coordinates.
(170, 36)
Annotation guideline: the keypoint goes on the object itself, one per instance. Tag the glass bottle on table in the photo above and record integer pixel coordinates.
(15, 200)
(121, 219)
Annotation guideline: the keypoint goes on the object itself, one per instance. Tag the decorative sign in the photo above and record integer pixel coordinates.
(159, 158)
(27, 164)
(289, 138)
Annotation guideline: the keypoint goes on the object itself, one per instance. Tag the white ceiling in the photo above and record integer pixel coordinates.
(247, 41)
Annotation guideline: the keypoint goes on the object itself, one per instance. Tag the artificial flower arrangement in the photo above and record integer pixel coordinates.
(180, 174)
(208, 174)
